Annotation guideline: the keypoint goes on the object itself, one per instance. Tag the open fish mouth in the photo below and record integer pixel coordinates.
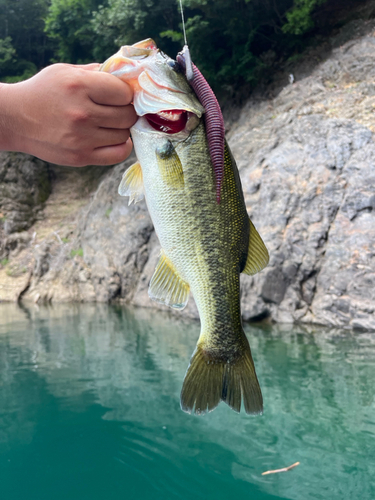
(169, 122)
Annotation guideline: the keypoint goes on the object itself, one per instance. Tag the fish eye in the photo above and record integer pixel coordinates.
(174, 65)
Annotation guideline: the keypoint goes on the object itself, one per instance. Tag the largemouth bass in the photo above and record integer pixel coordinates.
(207, 240)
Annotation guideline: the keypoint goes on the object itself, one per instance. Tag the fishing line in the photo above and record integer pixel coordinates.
(185, 51)
(183, 22)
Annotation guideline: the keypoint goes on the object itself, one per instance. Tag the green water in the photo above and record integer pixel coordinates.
(89, 409)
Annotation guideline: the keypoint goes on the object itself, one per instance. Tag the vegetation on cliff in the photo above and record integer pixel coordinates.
(233, 42)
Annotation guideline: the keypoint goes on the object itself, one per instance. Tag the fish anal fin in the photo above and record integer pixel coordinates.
(166, 286)
(257, 254)
(209, 381)
(170, 165)
(132, 183)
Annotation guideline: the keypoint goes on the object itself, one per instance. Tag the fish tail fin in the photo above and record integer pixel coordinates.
(210, 379)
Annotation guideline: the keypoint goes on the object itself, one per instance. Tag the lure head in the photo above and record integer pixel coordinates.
(184, 60)
(162, 96)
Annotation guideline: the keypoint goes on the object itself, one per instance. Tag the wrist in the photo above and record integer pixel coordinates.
(8, 113)
(3, 118)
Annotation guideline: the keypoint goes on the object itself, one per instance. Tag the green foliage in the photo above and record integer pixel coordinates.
(175, 36)
(69, 23)
(222, 37)
(227, 38)
(233, 42)
(7, 51)
(24, 70)
(299, 17)
(4, 262)
(23, 45)
(78, 252)
(124, 22)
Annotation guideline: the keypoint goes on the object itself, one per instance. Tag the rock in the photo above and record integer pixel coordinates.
(105, 255)
(24, 187)
(309, 186)
(114, 239)
(314, 208)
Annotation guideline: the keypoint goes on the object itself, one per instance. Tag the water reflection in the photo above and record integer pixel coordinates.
(92, 393)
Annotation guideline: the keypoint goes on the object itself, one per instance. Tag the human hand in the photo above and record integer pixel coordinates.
(69, 115)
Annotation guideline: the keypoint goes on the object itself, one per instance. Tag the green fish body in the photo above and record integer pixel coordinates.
(205, 247)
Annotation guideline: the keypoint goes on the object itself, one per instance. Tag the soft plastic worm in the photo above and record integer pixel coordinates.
(214, 120)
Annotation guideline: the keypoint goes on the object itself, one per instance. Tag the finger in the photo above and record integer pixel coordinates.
(104, 88)
(90, 67)
(110, 155)
(110, 137)
(115, 117)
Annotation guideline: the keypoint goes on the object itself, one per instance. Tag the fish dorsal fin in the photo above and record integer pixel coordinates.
(148, 43)
(132, 183)
(170, 165)
(166, 286)
(257, 254)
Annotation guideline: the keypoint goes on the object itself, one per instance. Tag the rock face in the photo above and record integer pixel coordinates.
(307, 164)
(310, 191)
(24, 187)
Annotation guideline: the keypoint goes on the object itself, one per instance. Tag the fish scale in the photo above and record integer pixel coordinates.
(194, 234)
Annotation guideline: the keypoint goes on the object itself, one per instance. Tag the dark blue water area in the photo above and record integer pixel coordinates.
(89, 409)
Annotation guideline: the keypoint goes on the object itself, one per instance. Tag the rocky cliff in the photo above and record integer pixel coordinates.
(306, 156)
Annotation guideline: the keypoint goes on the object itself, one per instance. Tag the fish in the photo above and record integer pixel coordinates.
(207, 238)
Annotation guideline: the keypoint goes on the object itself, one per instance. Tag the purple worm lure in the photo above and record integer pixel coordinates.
(214, 120)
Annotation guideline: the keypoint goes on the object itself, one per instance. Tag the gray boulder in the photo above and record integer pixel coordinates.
(24, 187)
(310, 188)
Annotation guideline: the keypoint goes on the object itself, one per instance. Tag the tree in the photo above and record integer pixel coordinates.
(228, 39)
(233, 42)
(124, 22)
(68, 23)
(22, 33)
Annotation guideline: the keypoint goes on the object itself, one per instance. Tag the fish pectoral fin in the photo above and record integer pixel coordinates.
(166, 286)
(132, 183)
(170, 165)
(257, 254)
(210, 379)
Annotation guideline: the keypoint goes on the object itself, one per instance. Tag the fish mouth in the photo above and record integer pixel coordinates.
(169, 122)
(172, 121)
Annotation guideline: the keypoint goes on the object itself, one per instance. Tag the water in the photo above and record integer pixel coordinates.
(89, 409)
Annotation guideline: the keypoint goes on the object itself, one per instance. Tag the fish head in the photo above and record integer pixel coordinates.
(163, 99)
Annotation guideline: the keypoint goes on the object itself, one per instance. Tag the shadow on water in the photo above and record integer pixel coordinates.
(89, 409)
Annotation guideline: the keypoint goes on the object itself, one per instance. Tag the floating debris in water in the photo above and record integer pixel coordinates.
(276, 471)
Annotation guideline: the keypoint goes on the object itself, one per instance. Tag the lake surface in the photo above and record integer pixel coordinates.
(89, 409)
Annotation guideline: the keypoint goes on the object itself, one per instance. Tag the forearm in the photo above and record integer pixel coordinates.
(9, 116)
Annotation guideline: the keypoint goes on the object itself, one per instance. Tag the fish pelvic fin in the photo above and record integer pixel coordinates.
(257, 254)
(166, 286)
(132, 183)
(209, 380)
